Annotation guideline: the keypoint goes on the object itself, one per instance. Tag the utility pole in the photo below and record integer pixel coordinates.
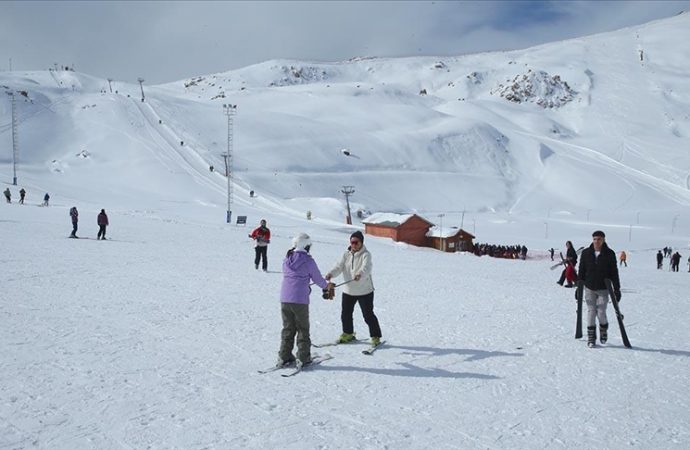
(15, 137)
(110, 80)
(673, 223)
(141, 81)
(348, 191)
(441, 246)
(229, 111)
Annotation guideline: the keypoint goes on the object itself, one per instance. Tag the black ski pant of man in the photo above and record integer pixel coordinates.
(101, 232)
(74, 228)
(366, 304)
(261, 255)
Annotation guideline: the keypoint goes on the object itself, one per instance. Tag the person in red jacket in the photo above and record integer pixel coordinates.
(262, 236)
(102, 223)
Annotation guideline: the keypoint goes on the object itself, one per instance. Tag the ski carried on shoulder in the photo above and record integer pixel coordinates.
(373, 348)
(315, 360)
(578, 252)
(619, 315)
(579, 292)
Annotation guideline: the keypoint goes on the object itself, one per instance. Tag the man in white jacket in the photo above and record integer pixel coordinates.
(355, 265)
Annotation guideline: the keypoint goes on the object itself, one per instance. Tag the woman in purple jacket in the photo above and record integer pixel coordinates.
(299, 269)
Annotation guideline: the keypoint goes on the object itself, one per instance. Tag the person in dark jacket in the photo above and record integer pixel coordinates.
(74, 214)
(597, 263)
(102, 223)
(675, 262)
(22, 195)
(660, 260)
(570, 256)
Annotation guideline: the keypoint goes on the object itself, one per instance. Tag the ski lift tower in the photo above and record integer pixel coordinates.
(348, 191)
(141, 85)
(229, 111)
(15, 137)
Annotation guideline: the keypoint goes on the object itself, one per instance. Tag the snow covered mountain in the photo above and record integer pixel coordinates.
(153, 338)
(554, 125)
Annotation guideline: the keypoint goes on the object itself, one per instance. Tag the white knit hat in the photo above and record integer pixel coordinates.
(301, 241)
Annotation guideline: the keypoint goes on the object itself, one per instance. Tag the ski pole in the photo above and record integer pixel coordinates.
(337, 285)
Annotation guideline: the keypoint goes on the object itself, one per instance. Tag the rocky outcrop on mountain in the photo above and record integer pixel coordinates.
(536, 87)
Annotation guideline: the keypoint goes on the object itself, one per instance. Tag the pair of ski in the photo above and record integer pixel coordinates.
(562, 263)
(619, 316)
(295, 369)
(369, 351)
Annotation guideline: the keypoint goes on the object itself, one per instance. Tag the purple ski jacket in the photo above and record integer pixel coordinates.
(299, 268)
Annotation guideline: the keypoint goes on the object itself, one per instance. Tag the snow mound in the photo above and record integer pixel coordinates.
(537, 87)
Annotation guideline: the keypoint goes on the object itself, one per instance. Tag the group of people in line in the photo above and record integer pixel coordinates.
(22, 196)
(501, 251)
(101, 220)
(299, 272)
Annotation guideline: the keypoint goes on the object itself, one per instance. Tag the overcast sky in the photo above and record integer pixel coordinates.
(167, 41)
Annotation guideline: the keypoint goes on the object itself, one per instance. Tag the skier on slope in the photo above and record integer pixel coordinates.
(299, 268)
(660, 260)
(262, 236)
(74, 214)
(675, 261)
(8, 195)
(570, 255)
(597, 263)
(356, 266)
(102, 221)
(22, 195)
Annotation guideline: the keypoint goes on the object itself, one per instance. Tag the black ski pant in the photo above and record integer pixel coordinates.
(261, 255)
(74, 228)
(366, 304)
(101, 231)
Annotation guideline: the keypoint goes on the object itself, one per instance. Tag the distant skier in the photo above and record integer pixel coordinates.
(570, 255)
(22, 194)
(623, 259)
(262, 236)
(46, 198)
(660, 260)
(598, 262)
(675, 262)
(8, 195)
(74, 214)
(299, 269)
(552, 251)
(102, 223)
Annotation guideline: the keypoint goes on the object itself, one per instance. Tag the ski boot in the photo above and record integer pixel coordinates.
(346, 337)
(603, 332)
(591, 336)
(375, 341)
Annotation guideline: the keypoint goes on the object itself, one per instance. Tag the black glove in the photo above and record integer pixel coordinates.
(329, 292)
(618, 295)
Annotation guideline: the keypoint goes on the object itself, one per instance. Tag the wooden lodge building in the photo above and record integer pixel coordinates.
(415, 230)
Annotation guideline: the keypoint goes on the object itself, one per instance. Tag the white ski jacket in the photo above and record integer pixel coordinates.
(352, 264)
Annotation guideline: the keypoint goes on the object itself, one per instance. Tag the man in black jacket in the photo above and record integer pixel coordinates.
(597, 263)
